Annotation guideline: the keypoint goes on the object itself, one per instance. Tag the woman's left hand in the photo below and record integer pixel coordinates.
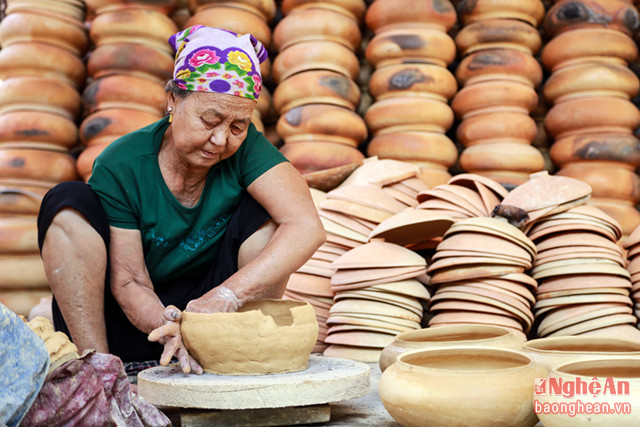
(169, 335)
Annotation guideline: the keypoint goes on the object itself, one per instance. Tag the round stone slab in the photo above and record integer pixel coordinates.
(326, 380)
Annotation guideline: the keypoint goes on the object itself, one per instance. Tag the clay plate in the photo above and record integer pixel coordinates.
(379, 254)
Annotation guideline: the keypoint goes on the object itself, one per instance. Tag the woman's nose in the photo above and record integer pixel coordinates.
(219, 136)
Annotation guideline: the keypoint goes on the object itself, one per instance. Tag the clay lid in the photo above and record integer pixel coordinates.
(324, 256)
(457, 317)
(547, 228)
(483, 243)
(360, 328)
(582, 299)
(472, 271)
(597, 213)
(412, 226)
(496, 227)
(525, 279)
(633, 239)
(454, 261)
(359, 306)
(579, 252)
(568, 218)
(342, 241)
(359, 321)
(310, 284)
(342, 231)
(583, 281)
(528, 299)
(394, 322)
(463, 253)
(317, 196)
(411, 272)
(507, 297)
(345, 276)
(411, 287)
(345, 221)
(333, 248)
(597, 323)
(454, 194)
(368, 195)
(576, 238)
(355, 210)
(315, 271)
(328, 179)
(381, 172)
(409, 201)
(409, 303)
(565, 293)
(443, 207)
(379, 254)
(471, 197)
(411, 185)
(476, 307)
(578, 266)
(471, 181)
(360, 339)
(570, 315)
(489, 198)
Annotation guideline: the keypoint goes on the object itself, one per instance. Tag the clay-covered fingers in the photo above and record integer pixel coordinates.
(188, 363)
(171, 314)
(172, 347)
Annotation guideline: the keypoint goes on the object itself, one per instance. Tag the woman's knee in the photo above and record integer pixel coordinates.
(255, 243)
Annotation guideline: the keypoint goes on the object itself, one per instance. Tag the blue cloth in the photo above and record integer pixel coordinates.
(24, 362)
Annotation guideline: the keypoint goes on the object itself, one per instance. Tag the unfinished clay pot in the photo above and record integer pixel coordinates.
(38, 126)
(262, 337)
(531, 11)
(494, 64)
(439, 14)
(130, 58)
(414, 44)
(315, 55)
(500, 34)
(410, 79)
(567, 15)
(234, 19)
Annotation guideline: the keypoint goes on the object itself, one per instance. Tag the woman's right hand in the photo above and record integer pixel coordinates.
(169, 335)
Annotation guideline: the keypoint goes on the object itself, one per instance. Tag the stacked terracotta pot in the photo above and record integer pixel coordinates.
(315, 71)
(500, 75)
(242, 17)
(632, 245)
(127, 71)
(42, 73)
(592, 119)
(411, 84)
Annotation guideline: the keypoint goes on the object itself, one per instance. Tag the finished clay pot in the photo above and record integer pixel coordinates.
(623, 211)
(599, 147)
(315, 55)
(531, 11)
(449, 336)
(412, 80)
(72, 9)
(410, 44)
(439, 14)
(23, 272)
(264, 8)
(399, 114)
(496, 125)
(312, 156)
(501, 156)
(499, 64)
(32, 163)
(262, 337)
(315, 23)
(130, 58)
(19, 235)
(40, 94)
(429, 147)
(567, 15)
(498, 34)
(38, 126)
(22, 196)
(124, 91)
(461, 386)
(233, 19)
(84, 163)
(164, 6)
(113, 123)
(607, 179)
(493, 94)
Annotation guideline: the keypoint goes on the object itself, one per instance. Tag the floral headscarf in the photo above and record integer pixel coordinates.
(216, 60)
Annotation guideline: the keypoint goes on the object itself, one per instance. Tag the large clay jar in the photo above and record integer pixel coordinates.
(460, 386)
(501, 156)
(567, 15)
(233, 19)
(315, 55)
(499, 64)
(449, 336)
(498, 34)
(600, 147)
(491, 94)
(315, 23)
(21, 196)
(41, 94)
(265, 8)
(262, 337)
(312, 156)
(355, 9)
(618, 382)
(412, 79)
(130, 58)
(412, 44)
(38, 126)
(55, 62)
(398, 114)
(113, 123)
(124, 91)
(431, 147)
(531, 11)
(438, 14)
(48, 28)
(607, 179)
(501, 125)
(35, 163)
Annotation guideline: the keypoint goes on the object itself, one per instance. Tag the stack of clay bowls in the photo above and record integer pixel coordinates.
(632, 245)
(377, 296)
(42, 73)
(411, 86)
(464, 196)
(315, 69)
(500, 75)
(181, 13)
(478, 270)
(242, 17)
(592, 119)
(128, 68)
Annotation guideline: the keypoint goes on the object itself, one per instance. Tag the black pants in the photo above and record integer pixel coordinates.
(124, 339)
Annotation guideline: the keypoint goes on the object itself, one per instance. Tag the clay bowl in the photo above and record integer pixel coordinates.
(530, 11)
(322, 121)
(314, 156)
(315, 55)
(234, 19)
(39, 94)
(130, 58)
(422, 79)
(625, 380)
(398, 114)
(449, 336)
(262, 337)
(506, 63)
(507, 95)
(607, 179)
(386, 13)
(567, 15)
(124, 91)
(315, 23)
(482, 386)
(31, 162)
(38, 126)
(576, 45)
(498, 33)
(53, 62)
(113, 123)
(599, 147)
(429, 147)
(497, 125)
(416, 44)
(501, 156)
(355, 9)
(264, 8)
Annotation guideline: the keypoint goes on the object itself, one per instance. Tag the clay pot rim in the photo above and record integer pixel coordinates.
(208, 317)
(538, 345)
(604, 362)
(408, 337)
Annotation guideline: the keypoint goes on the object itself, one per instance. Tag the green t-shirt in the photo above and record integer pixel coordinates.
(177, 241)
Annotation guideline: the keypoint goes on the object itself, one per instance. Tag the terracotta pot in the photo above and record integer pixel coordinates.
(496, 64)
(46, 165)
(54, 62)
(567, 15)
(84, 163)
(623, 211)
(501, 156)
(19, 235)
(494, 94)
(591, 79)
(498, 34)
(608, 147)
(21, 197)
(531, 11)
(130, 58)
(44, 27)
(319, 86)
(313, 23)
(40, 94)
(264, 8)
(421, 146)
(322, 122)
(460, 386)
(313, 156)
(113, 123)
(73, 10)
(586, 43)
(134, 25)
(401, 114)
(315, 55)
(410, 44)
(449, 336)
(592, 115)
(257, 334)
(499, 125)
(124, 91)
(438, 14)
(37, 126)
(233, 19)
(411, 79)
(355, 9)
(265, 105)
(621, 375)
(607, 179)
(164, 6)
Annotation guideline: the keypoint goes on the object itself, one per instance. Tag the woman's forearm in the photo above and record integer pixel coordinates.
(140, 304)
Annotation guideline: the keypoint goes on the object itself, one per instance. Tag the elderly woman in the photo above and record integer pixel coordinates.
(195, 212)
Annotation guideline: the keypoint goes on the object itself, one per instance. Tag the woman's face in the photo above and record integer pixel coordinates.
(209, 127)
